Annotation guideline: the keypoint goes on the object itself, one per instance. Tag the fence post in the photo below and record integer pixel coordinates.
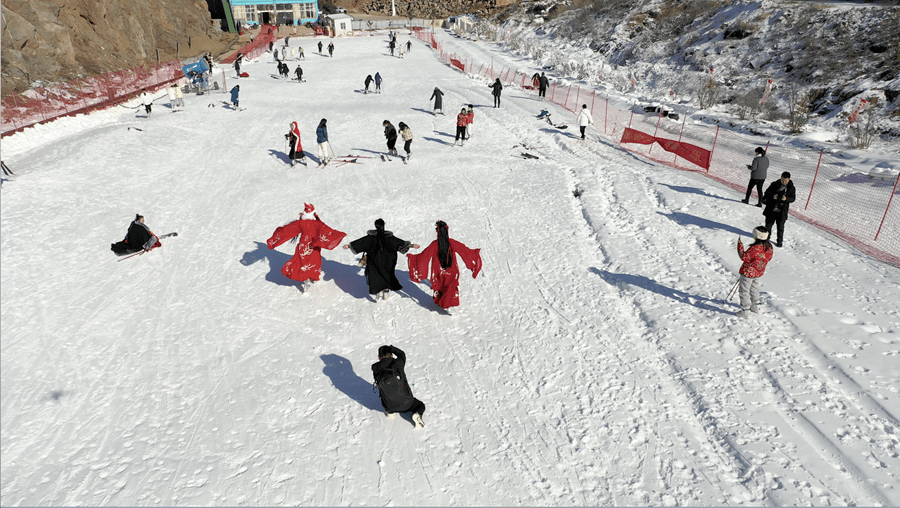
(815, 177)
(568, 90)
(553, 92)
(679, 140)
(577, 96)
(605, 114)
(713, 149)
(632, 115)
(658, 119)
(894, 191)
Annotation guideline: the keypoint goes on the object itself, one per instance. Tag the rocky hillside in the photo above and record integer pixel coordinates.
(47, 41)
(428, 9)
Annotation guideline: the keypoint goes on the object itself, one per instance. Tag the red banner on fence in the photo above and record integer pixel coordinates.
(456, 63)
(687, 151)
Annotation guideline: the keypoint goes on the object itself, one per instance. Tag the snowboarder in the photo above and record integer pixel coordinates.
(543, 83)
(368, 82)
(299, 73)
(320, 47)
(331, 49)
(440, 259)
(778, 198)
(437, 95)
(377, 82)
(584, 119)
(296, 151)
(393, 388)
(407, 136)
(496, 88)
(139, 238)
(312, 236)
(758, 170)
(234, 96)
(390, 133)
(470, 119)
(755, 259)
(380, 248)
(146, 101)
(322, 140)
(462, 119)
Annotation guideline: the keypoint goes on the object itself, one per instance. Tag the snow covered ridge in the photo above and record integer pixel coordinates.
(833, 55)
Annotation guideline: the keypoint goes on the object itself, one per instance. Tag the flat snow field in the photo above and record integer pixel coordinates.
(594, 361)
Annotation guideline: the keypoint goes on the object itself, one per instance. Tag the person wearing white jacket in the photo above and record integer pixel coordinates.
(584, 119)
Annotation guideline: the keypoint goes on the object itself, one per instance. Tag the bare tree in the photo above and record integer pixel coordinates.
(709, 92)
(749, 105)
(862, 132)
(798, 104)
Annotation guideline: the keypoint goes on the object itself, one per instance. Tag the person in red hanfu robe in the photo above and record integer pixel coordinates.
(439, 259)
(312, 235)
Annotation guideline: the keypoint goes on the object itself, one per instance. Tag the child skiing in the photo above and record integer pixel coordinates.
(293, 137)
(381, 248)
(312, 236)
(755, 259)
(439, 259)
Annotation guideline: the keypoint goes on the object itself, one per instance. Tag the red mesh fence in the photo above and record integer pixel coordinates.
(258, 46)
(855, 206)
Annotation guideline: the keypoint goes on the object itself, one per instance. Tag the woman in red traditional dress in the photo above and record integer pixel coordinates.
(312, 236)
(439, 259)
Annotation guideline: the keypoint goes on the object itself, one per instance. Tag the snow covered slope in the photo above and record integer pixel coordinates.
(593, 362)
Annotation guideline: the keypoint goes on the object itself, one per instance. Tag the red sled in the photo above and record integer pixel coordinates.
(245, 75)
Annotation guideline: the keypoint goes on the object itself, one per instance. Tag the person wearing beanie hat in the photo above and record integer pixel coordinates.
(755, 259)
(439, 259)
(380, 248)
(312, 235)
(393, 387)
(390, 133)
(462, 120)
(139, 238)
(758, 171)
(778, 198)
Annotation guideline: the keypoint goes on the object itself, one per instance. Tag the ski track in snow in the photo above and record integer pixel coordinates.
(593, 362)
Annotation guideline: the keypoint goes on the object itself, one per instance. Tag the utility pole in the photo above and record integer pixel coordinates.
(393, 8)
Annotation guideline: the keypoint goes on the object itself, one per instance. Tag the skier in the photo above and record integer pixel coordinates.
(322, 140)
(146, 101)
(462, 119)
(542, 86)
(400, 51)
(778, 198)
(407, 136)
(312, 236)
(470, 119)
(391, 134)
(377, 83)
(584, 119)
(758, 170)
(320, 47)
(393, 388)
(755, 259)
(139, 238)
(299, 73)
(497, 87)
(293, 137)
(234, 96)
(300, 54)
(437, 95)
(368, 82)
(380, 248)
(408, 46)
(331, 49)
(440, 259)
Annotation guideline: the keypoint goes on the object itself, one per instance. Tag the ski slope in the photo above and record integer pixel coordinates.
(594, 362)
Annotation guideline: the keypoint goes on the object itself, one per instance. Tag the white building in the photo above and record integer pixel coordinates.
(340, 24)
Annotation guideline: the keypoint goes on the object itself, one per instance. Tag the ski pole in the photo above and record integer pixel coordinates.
(733, 289)
(133, 255)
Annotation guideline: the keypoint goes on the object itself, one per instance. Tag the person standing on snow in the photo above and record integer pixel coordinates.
(437, 95)
(407, 136)
(299, 73)
(470, 119)
(755, 259)
(179, 97)
(391, 45)
(408, 46)
(377, 82)
(367, 83)
(300, 55)
(390, 133)
(296, 150)
(235, 92)
(440, 259)
(171, 92)
(393, 387)
(312, 236)
(380, 248)
(584, 119)
(778, 198)
(462, 120)
(139, 238)
(543, 83)
(758, 170)
(496, 88)
(320, 47)
(239, 60)
(146, 101)
(322, 140)
(331, 49)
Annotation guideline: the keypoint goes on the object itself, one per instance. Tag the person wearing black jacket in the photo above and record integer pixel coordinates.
(391, 134)
(138, 238)
(368, 82)
(437, 95)
(380, 248)
(542, 87)
(778, 198)
(393, 388)
(497, 87)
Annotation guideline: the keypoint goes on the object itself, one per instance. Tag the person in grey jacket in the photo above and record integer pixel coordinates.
(757, 176)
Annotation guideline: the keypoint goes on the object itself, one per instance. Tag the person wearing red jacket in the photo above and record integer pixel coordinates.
(312, 236)
(293, 138)
(755, 259)
(440, 259)
(462, 120)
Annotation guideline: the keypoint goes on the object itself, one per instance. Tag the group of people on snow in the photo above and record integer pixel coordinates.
(369, 80)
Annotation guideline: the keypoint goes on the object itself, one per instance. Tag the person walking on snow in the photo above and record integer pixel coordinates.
(408, 46)
(239, 60)
(299, 73)
(470, 119)
(331, 49)
(407, 136)
(320, 47)
(146, 101)
(312, 235)
(496, 88)
(139, 238)
(778, 198)
(296, 150)
(755, 259)
(390, 133)
(462, 120)
(543, 83)
(391, 46)
(439, 259)
(393, 387)
(380, 248)
(437, 95)
(171, 92)
(584, 119)
(234, 96)
(367, 83)
(322, 140)
(377, 82)
(300, 54)
(758, 170)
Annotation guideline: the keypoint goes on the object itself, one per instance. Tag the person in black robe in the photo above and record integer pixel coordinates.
(139, 238)
(393, 386)
(380, 248)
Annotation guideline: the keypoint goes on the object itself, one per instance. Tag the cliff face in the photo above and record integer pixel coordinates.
(47, 41)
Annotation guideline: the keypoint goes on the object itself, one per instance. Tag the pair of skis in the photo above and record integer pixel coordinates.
(167, 235)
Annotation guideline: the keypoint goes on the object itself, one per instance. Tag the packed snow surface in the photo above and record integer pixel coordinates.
(595, 360)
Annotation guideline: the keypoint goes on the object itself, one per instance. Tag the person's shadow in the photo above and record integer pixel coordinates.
(422, 110)
(685, 219)
(276, 260)
(694, 190)
(620, 279)
(280, 156)
(340, 371)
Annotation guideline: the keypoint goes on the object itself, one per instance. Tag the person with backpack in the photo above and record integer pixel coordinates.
(439, 259)
(311, 235)
(584, 119)
(438, 96)
(758, 170)
(367, 83)
(755, 259)
(377, 82)
(139, 238)
(462, 120)
(380, 248)
(293, 137)
(390, 133)
(393, 387)
(778, 198)
(496, 88)
(322, 140)
(407, 136)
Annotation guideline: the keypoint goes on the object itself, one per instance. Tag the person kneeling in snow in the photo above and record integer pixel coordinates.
(138, 238)
(393, 388)
(312, 235)
(755, 259)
